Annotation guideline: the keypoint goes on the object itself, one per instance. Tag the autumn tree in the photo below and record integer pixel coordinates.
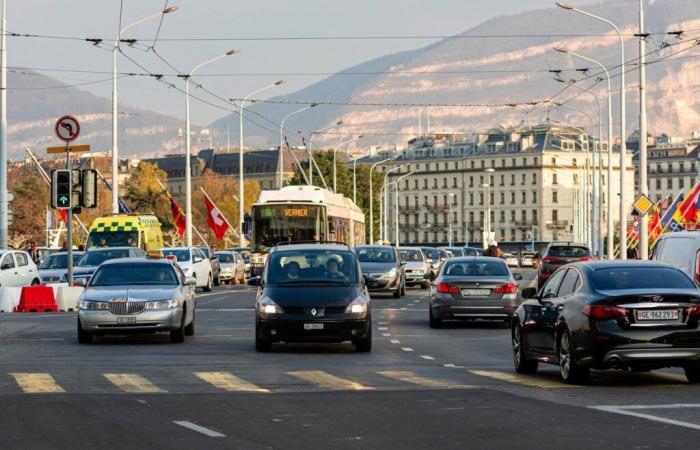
(32, 198)
(144, 195)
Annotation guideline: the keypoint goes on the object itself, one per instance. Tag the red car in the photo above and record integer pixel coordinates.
(557, 254)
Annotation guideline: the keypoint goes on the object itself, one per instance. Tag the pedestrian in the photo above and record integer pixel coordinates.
(632, 253)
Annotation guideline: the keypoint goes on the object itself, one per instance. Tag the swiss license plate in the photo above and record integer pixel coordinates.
(313, 326)
(658, 314)
(126, 319)
(476, 292)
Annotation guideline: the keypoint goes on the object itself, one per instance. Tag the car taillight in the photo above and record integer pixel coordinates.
(694, 311)
(697, 267)
(586, 258)
(604, 312)
(550, 259)
(508, 288)
(445, 288)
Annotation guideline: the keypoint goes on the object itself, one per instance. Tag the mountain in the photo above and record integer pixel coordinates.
(494, 69)
(35, 101)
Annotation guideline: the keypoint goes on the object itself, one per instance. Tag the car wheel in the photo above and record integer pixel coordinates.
(520, 360)
(207, 288)
(364, 345)
(570, 372)
(397, 292)
(177, 336)
(36, 282)
(403, 289)
(434, 321)
(189, 329)
(217, 280)
(261, 345)
(692, 373)
(83, 336)
(425, 285)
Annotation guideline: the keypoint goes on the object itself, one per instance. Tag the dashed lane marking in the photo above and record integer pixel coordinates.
(328, 381)
(382, 328)
(228, 382)
(133, 384)
(632, 410)
(407, 349)
(521, 379)
(395, 341)
(386, 334)
(37, 383)
(429, 358)
(411, 377)
(198, 428)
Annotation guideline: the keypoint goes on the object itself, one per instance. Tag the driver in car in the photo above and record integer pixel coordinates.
(332, 270)
(292, 270)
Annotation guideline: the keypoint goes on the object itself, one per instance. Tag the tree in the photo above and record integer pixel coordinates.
(324, 161)
(32, 197)
(144, 195)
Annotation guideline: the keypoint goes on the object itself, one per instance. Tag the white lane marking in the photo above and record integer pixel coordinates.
(407, 349)
(386, 334)
(198, 428)
(404, 309)
(199, 310)
(395, 341)
(429, 358)
(383, 328)
(627, 411)
(452, 366)
(383, 323)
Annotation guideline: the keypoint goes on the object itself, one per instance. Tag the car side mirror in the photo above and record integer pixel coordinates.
(403, 263)
(518, 276)
(82, 282)
(529, 293)
(254, 281)
(190, 281)
(197, 259)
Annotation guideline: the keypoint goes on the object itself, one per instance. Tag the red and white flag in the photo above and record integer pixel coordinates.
(216, 221)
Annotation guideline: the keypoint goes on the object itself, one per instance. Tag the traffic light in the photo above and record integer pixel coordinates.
(89, 197)
(61, 189)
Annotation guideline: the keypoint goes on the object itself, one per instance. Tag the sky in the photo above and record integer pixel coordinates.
(232, 20)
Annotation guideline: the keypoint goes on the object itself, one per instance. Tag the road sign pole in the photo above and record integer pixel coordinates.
(3, 130)
(69, 225)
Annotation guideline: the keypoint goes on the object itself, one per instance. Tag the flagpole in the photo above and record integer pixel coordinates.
(170, 197)
(220, 213)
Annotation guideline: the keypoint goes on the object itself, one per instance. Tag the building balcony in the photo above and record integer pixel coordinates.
(526, 223)
(557, 224)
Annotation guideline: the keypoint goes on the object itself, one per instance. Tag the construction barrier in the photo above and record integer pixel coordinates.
(37, 299)
(67, 298)
(9, 298)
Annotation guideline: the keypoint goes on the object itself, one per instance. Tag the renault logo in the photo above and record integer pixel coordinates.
(313, 311)
(657, 299)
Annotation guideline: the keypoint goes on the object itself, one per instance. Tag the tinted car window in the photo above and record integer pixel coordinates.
(59, 261)
(640, 278)
(312, 266)
(431, 253)
(98, 257)
(205, 251)
(552, 286)
(678, 251)
(568, 252)
(476, 268)
(411, 255)
(8, 262)
(376, 255)
(225, 257)
(135, 274)
(180, 255)
(569, 284)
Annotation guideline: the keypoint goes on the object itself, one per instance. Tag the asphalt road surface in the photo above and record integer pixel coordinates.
(418, 388)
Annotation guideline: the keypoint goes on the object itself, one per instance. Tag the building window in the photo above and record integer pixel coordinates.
(669, 183)
(535, 161)
(512, 197)
(534, 217)
(512, 179)
(434, 183)
(481, 179)
(512, 215)
(658, 183)
(555, 197)
(534, 178)
(522, 179)
(471, 181)
(554, 161)
(503, 198)
(503, 177)
(503, 234)
(471, 199)
(534, 196)
(524, 197)
(483, 164)
(405, 184)
(513, 162)
(444, 200)
(491, 198)
(681, 168)
(554, 177)
(503, 216)
(523, 215)
(681, 183)
(425, 183)
(435, 200)
(481, 198)
(491, 183)
(454, 182)
(471, 216)
(472, 164)
(555, 215)
(444, 182)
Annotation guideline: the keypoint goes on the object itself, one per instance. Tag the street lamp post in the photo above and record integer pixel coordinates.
(451, 197)
(241, 192)
(487, 205)
(371, 198)
(115, 106)
(188, 148)
(396, 205)
(280, 181)
(610, 233)
(643, 183)
(383, 218)
(310, 151)
(623, 130)
(335, 151)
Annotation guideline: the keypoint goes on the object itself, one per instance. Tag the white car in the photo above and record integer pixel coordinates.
(17, 269)
(194, 263)
(511, 260)
(232, 267)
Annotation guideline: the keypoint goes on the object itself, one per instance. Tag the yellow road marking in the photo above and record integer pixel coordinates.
(37, 383)
(132, 383)
(329, 381)
(411, 377)
(228, 382)
(521, 379)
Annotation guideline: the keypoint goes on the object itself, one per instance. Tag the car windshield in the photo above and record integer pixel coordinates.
(206, 252)
(640, 278)
(225, 257)
(112, 239)
(475, 268)
(312, 266)
(180, 255)
(411, 255)
(135, 274)
(457, 251)
(375, 255)
(97, 257)
(59, 261)
(568, 252)
(431, 253)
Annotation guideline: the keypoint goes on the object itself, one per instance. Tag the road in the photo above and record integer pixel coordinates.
(419, 388)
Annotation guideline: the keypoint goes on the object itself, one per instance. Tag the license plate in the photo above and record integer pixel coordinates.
(126, 319)
(313, 326)
(658, 314)
(476, 292)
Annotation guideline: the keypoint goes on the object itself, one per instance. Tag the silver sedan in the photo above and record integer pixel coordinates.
(133, 295)
(473, 288)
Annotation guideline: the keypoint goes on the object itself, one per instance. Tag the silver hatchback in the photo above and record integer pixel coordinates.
(473, 288)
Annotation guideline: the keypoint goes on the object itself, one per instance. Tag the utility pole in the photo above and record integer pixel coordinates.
(643, 183)
(3, 129)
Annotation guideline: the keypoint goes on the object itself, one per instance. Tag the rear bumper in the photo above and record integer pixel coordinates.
(657, 357)
(459, 312)
(412, 279)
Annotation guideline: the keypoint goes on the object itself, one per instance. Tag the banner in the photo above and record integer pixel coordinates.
(216, 221)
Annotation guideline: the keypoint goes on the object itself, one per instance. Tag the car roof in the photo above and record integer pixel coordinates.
(177, 248)
(567, 244)
(141, 261)
(374, 246)
(75, 252)
(685, 233)
(618, 264)
(309, 246)
(409, 248)
(103, 249)
(475, 258)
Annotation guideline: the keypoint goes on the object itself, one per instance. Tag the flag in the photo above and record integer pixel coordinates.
(655, 219)
(668, 222)
(687, 210)
(178, 217)
(123, 208)
(215, 220)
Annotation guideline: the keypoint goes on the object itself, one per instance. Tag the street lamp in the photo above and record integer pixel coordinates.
(451, 197)
(623, 131)
(396, 204)
(354, 178)
(371, 196)
(487, 206)
(115, 108)
(310, 150)
(281, 158)
(335, 151)
(241, 193)
(384, 200)
(188, 148)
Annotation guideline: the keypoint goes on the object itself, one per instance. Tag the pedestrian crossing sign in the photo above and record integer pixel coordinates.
(643, 205)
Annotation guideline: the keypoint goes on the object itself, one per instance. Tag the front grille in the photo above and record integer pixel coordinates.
(51, 279)
(124, 308)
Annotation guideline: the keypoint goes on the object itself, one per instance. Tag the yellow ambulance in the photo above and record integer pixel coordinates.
(126, 230)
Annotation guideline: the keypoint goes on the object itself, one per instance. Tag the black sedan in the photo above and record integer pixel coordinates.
(312, 293)
(628, 315)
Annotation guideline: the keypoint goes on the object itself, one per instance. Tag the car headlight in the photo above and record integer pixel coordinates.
(419, 271)
(89, 305)
(358, 306)
(391, 273)
(163, 304)
(268, 307)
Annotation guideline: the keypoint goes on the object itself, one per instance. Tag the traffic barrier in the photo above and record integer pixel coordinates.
(36, 299)
(67, 298)
(9, 298)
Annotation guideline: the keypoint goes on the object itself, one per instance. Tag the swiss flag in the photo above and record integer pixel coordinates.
(178, 217)
(215, 220)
